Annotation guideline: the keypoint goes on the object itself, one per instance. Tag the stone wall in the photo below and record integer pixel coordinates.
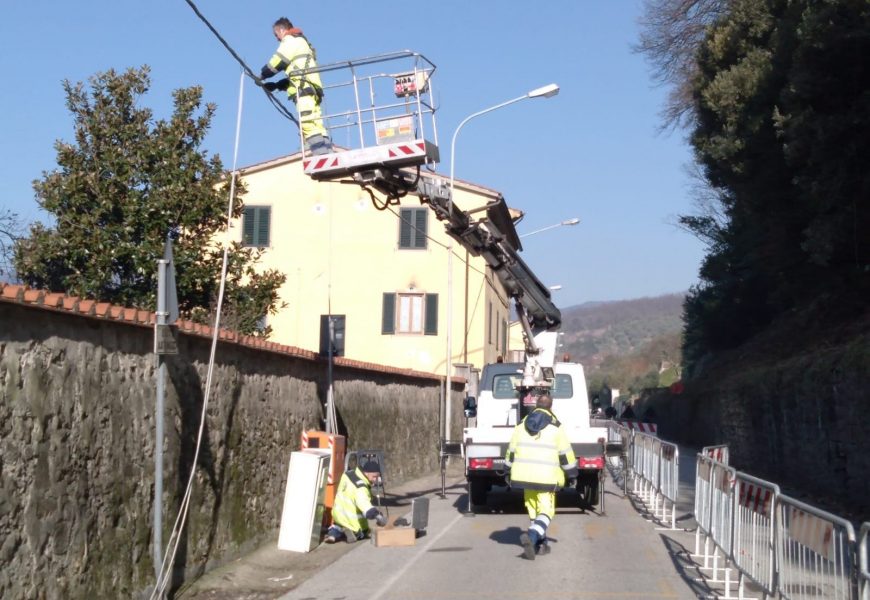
(77, 398)
(798, 421)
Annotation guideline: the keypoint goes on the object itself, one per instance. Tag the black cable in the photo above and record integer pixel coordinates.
(281, 108)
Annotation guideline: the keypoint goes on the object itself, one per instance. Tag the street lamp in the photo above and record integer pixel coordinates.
(573, 221)
(547, 91)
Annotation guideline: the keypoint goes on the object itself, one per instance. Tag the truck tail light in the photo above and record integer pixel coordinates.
(480, 463)
(590, 462)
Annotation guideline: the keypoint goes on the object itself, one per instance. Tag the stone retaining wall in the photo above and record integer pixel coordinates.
(77, 398)
(799, 422)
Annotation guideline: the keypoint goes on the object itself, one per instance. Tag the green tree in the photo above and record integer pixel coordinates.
(779, 118)
(127, 182)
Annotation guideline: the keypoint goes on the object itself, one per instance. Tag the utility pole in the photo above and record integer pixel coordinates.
(164, 343)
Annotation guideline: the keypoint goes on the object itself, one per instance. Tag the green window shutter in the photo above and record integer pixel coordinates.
(405, 229)
(265, 214)
(248, 226)
(388, 315)
(255, 226)
(431, 327)
(421, 219)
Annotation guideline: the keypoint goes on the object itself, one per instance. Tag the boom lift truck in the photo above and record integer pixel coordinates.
(386, 129)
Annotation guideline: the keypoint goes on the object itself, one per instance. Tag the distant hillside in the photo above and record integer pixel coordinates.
(624, 343)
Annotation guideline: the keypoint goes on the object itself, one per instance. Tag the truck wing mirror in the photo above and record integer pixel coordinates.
(470, 407)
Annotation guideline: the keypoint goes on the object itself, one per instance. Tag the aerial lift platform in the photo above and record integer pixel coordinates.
(386, 119)
(385, 138)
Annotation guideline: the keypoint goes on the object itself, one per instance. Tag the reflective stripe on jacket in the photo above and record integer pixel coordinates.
(540, 459)
(353, 500)
(294, 54)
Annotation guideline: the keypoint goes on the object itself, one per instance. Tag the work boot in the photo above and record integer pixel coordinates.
(350, 536)
(318, 144)
(330, 539)
(528, 546)
(543, 549)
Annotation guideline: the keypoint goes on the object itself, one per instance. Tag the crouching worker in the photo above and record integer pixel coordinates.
(353, 505)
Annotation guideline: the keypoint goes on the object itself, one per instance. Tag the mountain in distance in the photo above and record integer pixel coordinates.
(646, 330)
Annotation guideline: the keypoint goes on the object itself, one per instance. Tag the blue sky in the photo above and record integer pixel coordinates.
(592, 152)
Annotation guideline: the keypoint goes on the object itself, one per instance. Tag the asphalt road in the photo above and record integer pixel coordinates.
(623, 554)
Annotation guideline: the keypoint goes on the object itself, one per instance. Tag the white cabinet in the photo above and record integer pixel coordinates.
(304, 497)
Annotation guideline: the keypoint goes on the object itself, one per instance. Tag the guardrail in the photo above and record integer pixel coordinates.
(788, 549)
(863, 573)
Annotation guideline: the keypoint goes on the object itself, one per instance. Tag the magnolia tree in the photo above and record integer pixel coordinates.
(124, 184)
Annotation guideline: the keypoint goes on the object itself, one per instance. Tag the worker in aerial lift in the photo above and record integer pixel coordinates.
(295, 53)
(539, 458)
(353, 505)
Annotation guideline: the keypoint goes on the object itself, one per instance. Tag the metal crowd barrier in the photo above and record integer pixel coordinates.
(863, 573)
(714, 502)
(718, 453)
(753, 549)
(816, 558)
(655, 469)
(789, 549)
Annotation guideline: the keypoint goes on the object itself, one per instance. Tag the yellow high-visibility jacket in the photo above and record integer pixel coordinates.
(295, 53)
(539, 455)
(353, 501)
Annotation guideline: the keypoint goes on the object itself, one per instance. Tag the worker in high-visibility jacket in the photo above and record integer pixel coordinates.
(353, 505)
(540, 459)
(294, 55)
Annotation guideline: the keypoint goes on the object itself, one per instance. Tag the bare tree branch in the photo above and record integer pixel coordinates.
(671, 32)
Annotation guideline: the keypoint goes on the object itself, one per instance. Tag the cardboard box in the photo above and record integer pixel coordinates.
(394, 536)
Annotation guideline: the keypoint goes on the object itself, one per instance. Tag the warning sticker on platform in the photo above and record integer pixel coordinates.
(390, 131)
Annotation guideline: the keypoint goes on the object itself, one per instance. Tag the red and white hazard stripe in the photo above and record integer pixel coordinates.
(651, 428)
(755, 497)
(304, 440)
(716, 453)
(415, 149)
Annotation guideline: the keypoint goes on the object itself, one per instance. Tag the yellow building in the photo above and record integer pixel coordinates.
(385, 271)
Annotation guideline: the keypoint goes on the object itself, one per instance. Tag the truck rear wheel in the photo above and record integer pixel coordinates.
(479, 490)
(587, 485)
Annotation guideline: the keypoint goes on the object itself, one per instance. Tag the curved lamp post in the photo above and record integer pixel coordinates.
(547, 91)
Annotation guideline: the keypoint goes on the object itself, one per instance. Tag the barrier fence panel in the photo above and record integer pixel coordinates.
(669, 480)
(717, 453)
(863, 573)
(815, 553)
(703, 478)
(753, 547)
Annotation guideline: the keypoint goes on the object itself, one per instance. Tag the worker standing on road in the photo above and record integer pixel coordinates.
(353, 505)
(539, 458)
(295, 54)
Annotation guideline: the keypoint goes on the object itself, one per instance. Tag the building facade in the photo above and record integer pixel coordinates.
(382, 274)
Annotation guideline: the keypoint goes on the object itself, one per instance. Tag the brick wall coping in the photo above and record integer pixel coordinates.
(94, 309)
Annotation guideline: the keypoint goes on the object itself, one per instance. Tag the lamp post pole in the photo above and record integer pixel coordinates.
(547, 91)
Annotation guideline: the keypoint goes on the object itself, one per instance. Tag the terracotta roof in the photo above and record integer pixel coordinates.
(58, 302)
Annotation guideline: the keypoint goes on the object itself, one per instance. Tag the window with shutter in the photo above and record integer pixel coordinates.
(413, 227)
(256, 222)
(431, 314)
(388, 314)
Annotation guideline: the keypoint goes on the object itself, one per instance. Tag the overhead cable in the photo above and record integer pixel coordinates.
(275, 102)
